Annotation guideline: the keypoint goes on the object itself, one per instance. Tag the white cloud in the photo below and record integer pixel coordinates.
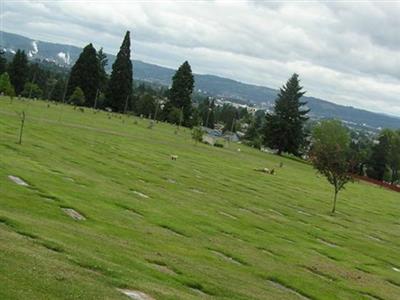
(348, 53)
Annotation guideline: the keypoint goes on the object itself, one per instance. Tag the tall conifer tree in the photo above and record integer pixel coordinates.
(103, 61)
(85, 74)
(180, 94)
(120, 84)
(3, 63)
(18, 71)
(284, 127)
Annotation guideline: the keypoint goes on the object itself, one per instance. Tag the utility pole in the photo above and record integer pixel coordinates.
(22, 127)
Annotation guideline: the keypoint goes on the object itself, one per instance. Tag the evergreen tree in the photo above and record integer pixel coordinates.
(386, 156)
(145, 105)
(180, 94)
(85, 74)
(103, 61)
(253, 133)
(18, 71)
(284, 128)
(378, 161)
(120, 84)
(229, 115)
(57, 92)
(360, 151)
(3, 63)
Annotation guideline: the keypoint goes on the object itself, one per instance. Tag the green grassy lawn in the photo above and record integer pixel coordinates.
(202, 227)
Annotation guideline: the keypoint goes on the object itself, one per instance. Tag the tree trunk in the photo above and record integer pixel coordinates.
(334, 201)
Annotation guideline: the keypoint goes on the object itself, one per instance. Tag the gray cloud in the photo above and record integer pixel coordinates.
(348, 53)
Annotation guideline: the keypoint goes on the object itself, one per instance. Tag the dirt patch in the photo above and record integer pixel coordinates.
(136, 295)
(140, 194)
(227, 215)
(17, 180)
(73, 214)
(287, 289)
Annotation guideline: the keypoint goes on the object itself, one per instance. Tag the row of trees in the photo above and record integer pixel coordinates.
(285, 129)
(19, 77)
(88, 84)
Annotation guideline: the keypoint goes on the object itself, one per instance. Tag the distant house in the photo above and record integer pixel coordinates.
(212, 132)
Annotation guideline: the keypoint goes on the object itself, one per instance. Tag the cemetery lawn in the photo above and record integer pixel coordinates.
(206, 226)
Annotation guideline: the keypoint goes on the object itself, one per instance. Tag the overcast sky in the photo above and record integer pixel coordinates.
(345, 52)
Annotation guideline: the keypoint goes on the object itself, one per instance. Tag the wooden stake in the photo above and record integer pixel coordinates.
(22, 127)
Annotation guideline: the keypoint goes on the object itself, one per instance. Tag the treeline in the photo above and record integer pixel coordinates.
(286, 129)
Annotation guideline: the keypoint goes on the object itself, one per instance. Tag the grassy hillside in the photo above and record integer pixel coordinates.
(202, 227)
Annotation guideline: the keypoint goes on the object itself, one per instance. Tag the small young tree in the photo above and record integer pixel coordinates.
(31, 90)
(6, 86)
(77, 97)
(329, 154)
(197, 134)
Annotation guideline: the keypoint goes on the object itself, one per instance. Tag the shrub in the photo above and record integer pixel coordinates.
(197, 134)
(77, 97)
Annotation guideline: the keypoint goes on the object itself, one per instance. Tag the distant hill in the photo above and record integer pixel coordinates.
(211, 85)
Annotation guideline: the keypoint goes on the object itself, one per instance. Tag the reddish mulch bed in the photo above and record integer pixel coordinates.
(377, 182)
